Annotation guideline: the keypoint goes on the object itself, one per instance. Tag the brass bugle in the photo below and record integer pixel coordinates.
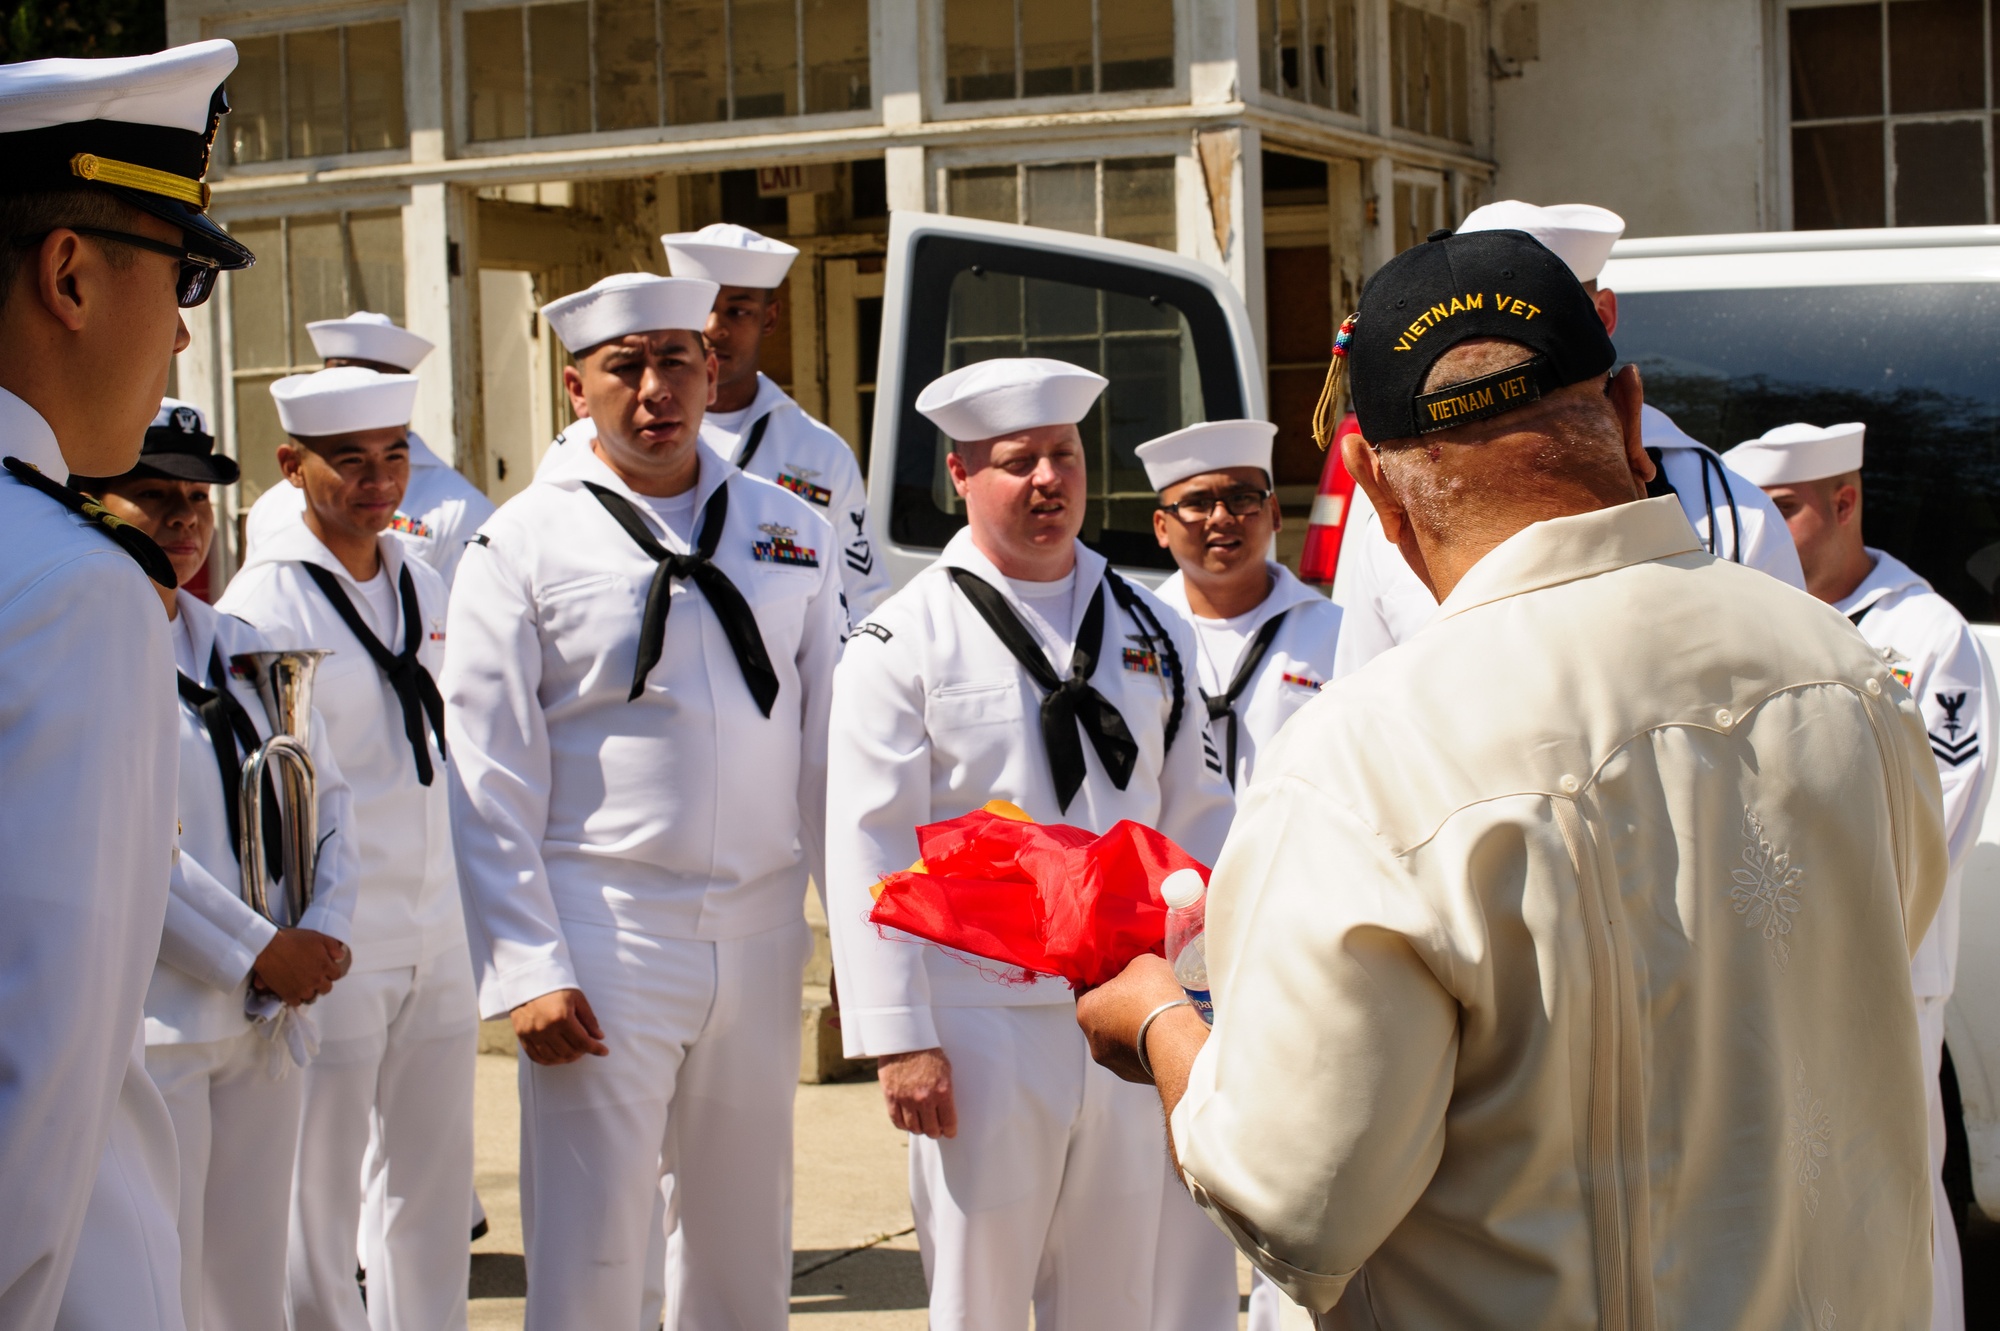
(284, 682)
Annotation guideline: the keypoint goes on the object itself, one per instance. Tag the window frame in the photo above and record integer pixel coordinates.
(1478, 77)
(1781, 111)
(936, 81)
(461, 110)
(944, 164)
(1365, 35)
(283, 25)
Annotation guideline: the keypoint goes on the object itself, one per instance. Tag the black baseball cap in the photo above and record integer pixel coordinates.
(179, 447)
(1451, 289)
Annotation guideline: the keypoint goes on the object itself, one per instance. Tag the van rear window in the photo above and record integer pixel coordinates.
(1919, 364)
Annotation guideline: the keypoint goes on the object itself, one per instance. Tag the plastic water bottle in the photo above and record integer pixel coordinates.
(1187, 898)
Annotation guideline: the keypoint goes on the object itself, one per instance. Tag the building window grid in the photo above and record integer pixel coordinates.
(1890, 119)
(956, 93)
(1317, 63)
(283, 108)
(1430, 72)
(661, 73)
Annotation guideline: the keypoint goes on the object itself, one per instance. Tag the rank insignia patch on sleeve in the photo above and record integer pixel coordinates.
(782, 549)
(409, 526)
(874, 631)
(805, 489)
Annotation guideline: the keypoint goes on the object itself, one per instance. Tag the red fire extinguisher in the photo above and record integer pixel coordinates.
(1332, 507)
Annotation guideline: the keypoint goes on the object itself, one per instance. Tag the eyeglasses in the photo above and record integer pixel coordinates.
(197, 279)
(1197, 506)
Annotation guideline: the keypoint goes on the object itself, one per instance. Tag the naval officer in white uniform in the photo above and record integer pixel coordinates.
(397, 1036)
(1386, 603)
(1264, 645)
(638, 692)
(753, 422)
(440, 509)
(226, 1014)
(1813, 474)
(1017, 667)
(90, 281)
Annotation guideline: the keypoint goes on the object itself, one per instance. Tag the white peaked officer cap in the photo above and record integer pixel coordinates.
(342, 400)
(729, 255)
(1580, 234)
(990, 398)
(363, 335)
(627, 303)
(1210, 446)
(1791, 454)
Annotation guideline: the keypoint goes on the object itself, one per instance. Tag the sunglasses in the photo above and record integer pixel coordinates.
(197, 279)
(1196, 507)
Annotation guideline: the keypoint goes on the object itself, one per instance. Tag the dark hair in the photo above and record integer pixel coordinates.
(26, 218)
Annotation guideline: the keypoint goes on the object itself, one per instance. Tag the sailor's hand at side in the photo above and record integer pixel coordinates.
(559, 1028)
(917, 1086)
(298, 965)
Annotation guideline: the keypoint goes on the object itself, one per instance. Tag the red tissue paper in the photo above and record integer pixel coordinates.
(1043, 898)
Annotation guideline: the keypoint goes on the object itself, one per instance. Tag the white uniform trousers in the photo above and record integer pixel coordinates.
(395, 1059)
(1194, 1280)
(1947, 1269)
(703, 1069)
(1050, 1194)
(237, 1127)
(127, 1273)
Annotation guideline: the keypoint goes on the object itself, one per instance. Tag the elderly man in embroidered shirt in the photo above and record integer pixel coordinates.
(1560, 957)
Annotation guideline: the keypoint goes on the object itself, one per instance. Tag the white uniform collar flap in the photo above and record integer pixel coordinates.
(24, 434)
(1889, 576)
(1582, 545)
(1286, 592)
(711, 471)
(294, 543)
(960, 552)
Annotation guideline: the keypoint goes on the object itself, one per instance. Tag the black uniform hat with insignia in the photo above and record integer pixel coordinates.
(1449, 290)
(139, 126)
(179, 447)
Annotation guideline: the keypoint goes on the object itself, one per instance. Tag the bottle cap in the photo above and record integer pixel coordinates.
(1182, 888)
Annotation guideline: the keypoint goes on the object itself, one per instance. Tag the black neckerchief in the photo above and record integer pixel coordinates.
(415, 689)
(230, 729)
(1066, 703)
(1223, 706)
(739, 625)
(129, 538)
(756, 439)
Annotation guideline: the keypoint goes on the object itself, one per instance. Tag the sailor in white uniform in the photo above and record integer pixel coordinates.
(226, 1015)
(440, 509)
(638, 692)
(753, 422)
(397, 1036)
(1264, 645)
(1387, 603)
(90, 283)
(1813, 474)
(1017, 667)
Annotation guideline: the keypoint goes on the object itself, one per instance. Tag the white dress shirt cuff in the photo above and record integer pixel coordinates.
(324, 920)
(875, 1032)
(501, 994)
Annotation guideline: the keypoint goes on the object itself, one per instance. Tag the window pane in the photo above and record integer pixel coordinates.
(257, 300)
(256, 124)
(1055, 47)
(1437, 61)
(1267, 44)
(695, 56)
(495, 77)
(1063, 197)
(837, 55)
(628, 74)
(1347, 42)
(1318, 44)
(991, 193)
(978, 50)
(1288, 66)
(1139, 201)
(375, 87)
(1940, 173)
(559, 68)
(1836, 62)
(1837, 177)
(258, 435)
(1461, 103)
(765, 34)
(375, 262)
(1138, 43)
(1400, 95)
(319, 277)
(1936, 58)
(312, 92)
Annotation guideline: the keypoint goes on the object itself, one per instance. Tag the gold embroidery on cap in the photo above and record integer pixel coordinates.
(130, 175)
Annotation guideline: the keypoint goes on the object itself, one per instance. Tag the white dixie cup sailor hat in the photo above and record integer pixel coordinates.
(364, 335)
(990, 398)
(1791, 454)
(1580, 234)
(342, 400)
(729, 255)
(627, 303)
(1209, 446)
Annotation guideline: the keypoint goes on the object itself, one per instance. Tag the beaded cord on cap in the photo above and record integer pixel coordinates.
(1326, 411)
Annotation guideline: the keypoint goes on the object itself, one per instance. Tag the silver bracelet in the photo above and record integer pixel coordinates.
(1146, 1064)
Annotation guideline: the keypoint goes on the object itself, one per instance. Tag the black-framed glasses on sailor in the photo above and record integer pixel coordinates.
(1197, 505)
(197, 277)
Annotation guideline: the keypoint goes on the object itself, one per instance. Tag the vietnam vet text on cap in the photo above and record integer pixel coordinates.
(139, 126)
(342, 400)
(364, 335)
(1209, 446)
(1792, 454)
(1433, 296)
(627, 303)
(729, 255)
(1581, 234)
(990, 398)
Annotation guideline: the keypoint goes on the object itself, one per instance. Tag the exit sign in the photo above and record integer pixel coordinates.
(775, 182)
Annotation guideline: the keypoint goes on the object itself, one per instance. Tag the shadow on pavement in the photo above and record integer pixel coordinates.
(499, 1275)
(868, 1280)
